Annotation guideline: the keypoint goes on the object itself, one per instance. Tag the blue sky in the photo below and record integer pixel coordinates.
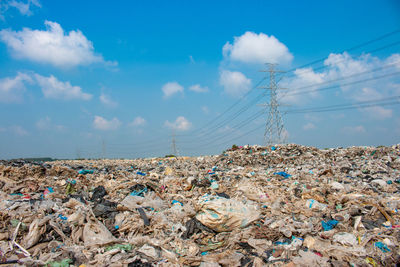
(94, 78)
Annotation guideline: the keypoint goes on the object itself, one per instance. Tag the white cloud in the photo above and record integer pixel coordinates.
(354, 129)
(101, 123)
(192, 59)
(394, 59)
(138, 121)
(180, 124)
(171, 88)
(344, 69)
(366, 94)
(46, 124)
(53, 88)
(106, 100)
(344, 65)
(51, 46)
(257, 48)
(235, 83)
(12, 89)
(197, 88)
(309, 126)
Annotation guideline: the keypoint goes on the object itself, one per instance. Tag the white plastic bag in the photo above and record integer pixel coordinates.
(223, 215)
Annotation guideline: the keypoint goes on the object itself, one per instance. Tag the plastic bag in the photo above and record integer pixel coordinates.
(95, 233)
(223, 215)
(36, 229)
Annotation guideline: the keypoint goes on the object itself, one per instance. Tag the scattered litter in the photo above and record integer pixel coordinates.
(286, 205)
(85, 172)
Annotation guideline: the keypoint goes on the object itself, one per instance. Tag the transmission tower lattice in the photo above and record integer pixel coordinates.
(173, 145)
(274, 130)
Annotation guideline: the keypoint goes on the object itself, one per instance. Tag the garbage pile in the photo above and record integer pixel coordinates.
(284, 205)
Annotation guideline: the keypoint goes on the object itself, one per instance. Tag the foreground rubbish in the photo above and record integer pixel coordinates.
(286, 205)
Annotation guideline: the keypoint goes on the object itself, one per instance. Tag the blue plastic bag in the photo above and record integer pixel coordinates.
(283, 174)
(85, 171)
(329, 225)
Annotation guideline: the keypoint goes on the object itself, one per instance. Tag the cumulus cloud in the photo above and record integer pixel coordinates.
(106, 100)
(46, 124)
(235, 83)
(53, 88)
(171, 88)
(138, 121)
(198, 89)
(180, 124)
(308, 126)
(101, 123)
(12, 89)
(340, 70)
(257, 48)
(51, 46)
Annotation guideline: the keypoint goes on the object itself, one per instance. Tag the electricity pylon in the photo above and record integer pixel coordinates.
(274, 130)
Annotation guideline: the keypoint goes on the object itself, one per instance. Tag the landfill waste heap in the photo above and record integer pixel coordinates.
(283, 205)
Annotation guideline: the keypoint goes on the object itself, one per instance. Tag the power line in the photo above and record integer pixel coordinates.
(350, 49)
(341, 85)
(205, 126)
(254, 116)
(221, 124)
(316, 110)
(301, 71)
(215, 128)
(361, 104)
(342, 78)
(234, 128)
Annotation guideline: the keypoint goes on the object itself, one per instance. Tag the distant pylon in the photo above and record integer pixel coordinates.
(174, 149)
(274, 129)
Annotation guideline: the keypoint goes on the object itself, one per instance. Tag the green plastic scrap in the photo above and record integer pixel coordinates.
(70, 189)
(63, 263)
(15, 222)
(127, 247)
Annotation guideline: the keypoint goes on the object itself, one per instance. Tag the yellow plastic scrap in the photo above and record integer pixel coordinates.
(370, 261)
(359, 239)
(168, 171)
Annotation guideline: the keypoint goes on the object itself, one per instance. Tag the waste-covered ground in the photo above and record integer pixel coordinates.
(284, 205)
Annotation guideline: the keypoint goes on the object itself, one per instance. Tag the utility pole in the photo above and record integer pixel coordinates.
(274, 129)
(174, 150)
